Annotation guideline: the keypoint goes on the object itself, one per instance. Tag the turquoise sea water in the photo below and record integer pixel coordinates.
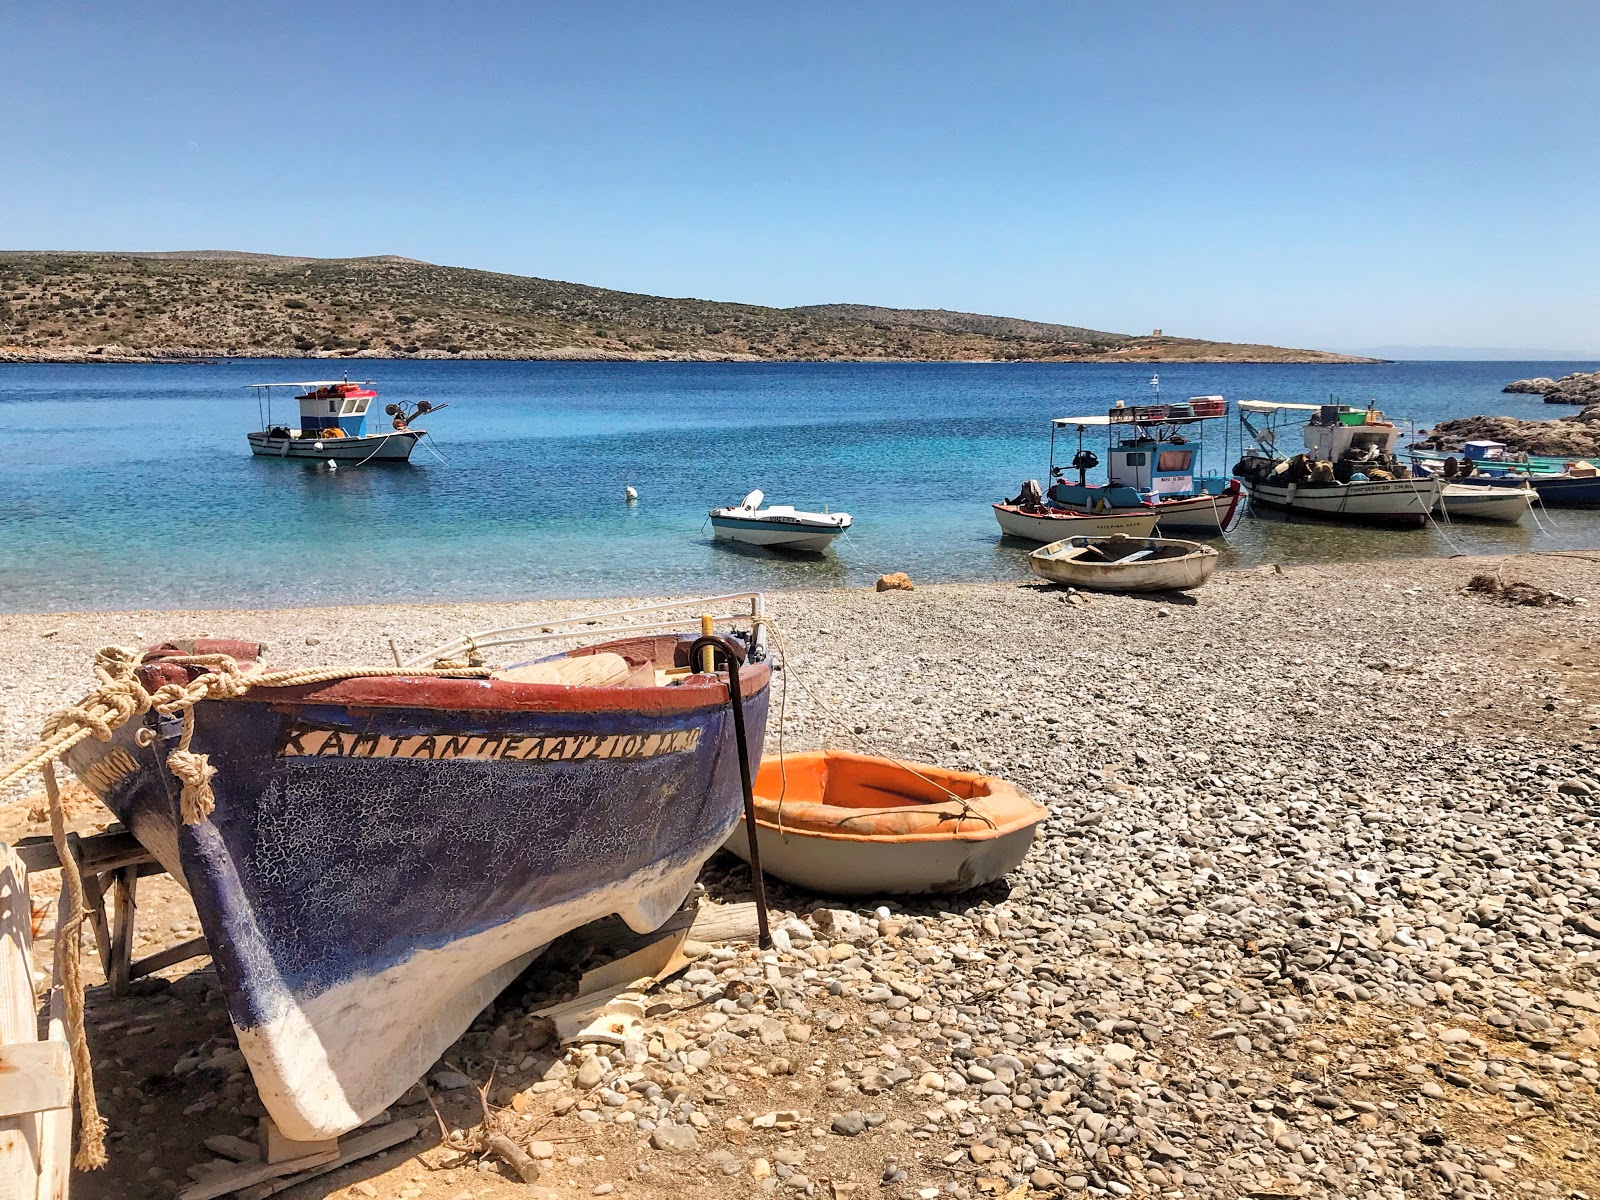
(132, 486)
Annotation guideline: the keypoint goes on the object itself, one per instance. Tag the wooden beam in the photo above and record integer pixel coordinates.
(99, 852)
(237, 1176)
(161, 959)
(94, 894)
(124, 891)
(34, 1077)
(276, 1148)
(362, 1144)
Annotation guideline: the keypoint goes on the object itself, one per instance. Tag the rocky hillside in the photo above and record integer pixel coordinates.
(1578, 388)
(214, 304)
(1577, 434)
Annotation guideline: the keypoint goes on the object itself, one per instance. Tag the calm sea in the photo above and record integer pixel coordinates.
(133, 486)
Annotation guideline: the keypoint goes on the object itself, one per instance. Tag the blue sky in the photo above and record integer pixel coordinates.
(1353, 174)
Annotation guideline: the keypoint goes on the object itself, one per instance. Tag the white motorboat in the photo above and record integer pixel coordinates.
(1038, 523)
(1125, 564)
(1348, 471)
(1485, 502)
(780, 526)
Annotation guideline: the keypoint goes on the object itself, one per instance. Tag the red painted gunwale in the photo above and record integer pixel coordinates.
(470, 695)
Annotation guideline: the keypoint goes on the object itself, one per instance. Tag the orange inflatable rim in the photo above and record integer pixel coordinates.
(993, 808)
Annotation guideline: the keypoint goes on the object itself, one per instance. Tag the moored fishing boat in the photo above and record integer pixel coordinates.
(1347, 472)
(375, 853)
(846, 824)
(779, 526)
(333, 425)
(1125, 564)
(1036, 522)
(1559, 482)
(1153, 463)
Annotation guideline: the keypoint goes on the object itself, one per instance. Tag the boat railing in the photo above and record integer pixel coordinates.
(551, 630)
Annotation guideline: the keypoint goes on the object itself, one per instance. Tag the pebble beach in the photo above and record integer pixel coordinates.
(1316, 912)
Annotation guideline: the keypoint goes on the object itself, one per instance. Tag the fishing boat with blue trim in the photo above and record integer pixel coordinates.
(1561, 482)
(384, 850)
(333, 424)
(1154, 466)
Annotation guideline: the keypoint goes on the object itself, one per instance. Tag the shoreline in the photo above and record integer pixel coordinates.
(1308, 892)
(93, 357)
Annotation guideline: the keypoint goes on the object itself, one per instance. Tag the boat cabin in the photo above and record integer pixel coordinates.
(1485, 451)
(340, 405)
(1150, 456)
(1340, 433)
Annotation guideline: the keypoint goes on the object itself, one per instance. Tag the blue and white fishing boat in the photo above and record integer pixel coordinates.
(333, 424)
(1559, 482)
(1154, 466)
(386, 852)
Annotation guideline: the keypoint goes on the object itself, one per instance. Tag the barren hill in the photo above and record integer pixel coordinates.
(72, 306)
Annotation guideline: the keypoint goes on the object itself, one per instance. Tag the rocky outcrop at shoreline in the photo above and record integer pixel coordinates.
(1578, 388)
(1577, 434)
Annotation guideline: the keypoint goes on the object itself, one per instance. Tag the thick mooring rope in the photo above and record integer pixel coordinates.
(119, 698)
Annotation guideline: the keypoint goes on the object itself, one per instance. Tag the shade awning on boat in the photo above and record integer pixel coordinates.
(1269, 406)
(316, 383)
(1102, 419)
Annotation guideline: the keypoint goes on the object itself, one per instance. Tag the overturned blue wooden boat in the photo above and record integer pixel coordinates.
(385, 854)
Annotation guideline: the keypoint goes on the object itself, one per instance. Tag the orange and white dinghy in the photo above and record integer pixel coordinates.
(844, 824)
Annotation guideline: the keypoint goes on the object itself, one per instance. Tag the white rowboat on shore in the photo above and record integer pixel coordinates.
(1125, 564)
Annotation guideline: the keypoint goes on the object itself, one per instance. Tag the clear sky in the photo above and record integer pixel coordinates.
(1338, 175)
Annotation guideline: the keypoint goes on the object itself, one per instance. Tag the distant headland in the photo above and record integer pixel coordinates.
(209, 304)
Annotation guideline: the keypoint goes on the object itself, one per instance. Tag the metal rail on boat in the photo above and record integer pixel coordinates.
(546, 631)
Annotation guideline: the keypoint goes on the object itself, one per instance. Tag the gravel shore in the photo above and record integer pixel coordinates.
(1316, 913)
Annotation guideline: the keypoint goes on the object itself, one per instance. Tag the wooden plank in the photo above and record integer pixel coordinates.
(34, 1077)
(124, 892)
(99, 852)
(19, 1024)
(243, 1175)
(161, 959)
(232, 1147)
(715, 923)
(656, 961)
(55, 1132)
(362, 1144)
(94, 895)
(276, 1148)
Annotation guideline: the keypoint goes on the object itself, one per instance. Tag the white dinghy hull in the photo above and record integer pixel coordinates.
(1480, 502)
(778, 526)
(1119, 564)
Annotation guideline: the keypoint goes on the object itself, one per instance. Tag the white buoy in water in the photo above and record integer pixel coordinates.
(632, 495)
(332, 466)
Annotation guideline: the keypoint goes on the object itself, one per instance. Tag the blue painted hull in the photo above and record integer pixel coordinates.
(373, 874)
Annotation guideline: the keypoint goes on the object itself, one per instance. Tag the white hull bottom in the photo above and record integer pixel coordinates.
(834, 867)
(337, 1060)
(376, 447)
(1486, 503)
(1049, 529)
(785, 537)
(1406, 501)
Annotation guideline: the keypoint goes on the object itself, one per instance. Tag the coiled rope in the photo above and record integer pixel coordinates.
(120, 697)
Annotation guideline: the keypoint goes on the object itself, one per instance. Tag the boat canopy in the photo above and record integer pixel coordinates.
(1271, 406)
(1196, 408)
(316, 383)
(1102, 419)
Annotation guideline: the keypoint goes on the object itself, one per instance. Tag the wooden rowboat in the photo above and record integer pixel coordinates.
(1125, 564)
(846, 824)
(385, 854)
